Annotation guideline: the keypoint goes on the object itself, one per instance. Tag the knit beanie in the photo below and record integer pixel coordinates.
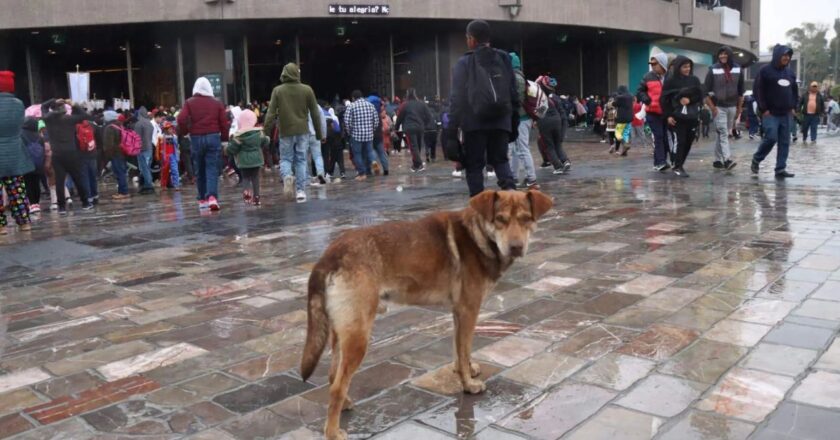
(7, 82)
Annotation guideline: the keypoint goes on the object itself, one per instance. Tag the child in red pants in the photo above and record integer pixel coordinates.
(168, 156)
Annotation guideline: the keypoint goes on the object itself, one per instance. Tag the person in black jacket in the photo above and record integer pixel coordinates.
(412, 118)
(776, 93)
(624, 116)
(550, 127)
(66, 159)
(682, 96)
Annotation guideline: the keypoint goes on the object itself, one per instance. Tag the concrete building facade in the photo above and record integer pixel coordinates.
(152, 51)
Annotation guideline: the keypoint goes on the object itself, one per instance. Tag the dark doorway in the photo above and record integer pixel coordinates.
(336, 66)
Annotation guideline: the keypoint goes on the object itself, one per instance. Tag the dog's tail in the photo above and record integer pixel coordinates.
(318, 327)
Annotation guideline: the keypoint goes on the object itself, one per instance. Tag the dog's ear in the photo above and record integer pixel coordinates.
(540, 203)
(485, 204)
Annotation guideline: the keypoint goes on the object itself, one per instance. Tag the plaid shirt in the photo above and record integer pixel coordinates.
(360, 118)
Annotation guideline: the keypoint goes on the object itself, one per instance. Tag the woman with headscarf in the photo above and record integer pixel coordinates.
(204, 118)
(682, 96)
(14, 160)
(246, 148)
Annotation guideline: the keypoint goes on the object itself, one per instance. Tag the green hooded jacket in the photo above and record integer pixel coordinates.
(247, 147)
(291, 103)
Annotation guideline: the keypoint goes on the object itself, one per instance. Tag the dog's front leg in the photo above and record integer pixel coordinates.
(465, 319)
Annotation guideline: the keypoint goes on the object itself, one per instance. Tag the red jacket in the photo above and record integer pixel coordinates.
(203, 115)
(636, 122)
(649, 92)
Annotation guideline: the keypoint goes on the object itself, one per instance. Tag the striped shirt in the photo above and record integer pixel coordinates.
(360, 118)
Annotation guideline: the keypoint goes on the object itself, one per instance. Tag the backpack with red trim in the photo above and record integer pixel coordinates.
(129, 141)
(85, 137)
(535, 102)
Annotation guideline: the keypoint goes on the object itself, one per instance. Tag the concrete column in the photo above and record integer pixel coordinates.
(622, 65)
(179, 56)
(437, 68)
(297, 49)
(580, 65)
(130, 72)
(210, 58)
(391, 63)
(29, 76)
(245, 69)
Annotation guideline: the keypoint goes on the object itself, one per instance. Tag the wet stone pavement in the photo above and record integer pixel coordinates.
(648, 306)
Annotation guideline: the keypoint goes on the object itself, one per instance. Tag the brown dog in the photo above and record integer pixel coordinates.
(451, 258)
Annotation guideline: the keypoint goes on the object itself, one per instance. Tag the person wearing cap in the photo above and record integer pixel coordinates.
(724, 87)
(485, 138)
(776, 93)
(14, 160)
(649, 94)
(811, 108)
(111, 139)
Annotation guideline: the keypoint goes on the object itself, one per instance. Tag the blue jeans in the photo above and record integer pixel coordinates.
(89, 174)
(776, 130)
(379, 149)
(362, 156)
(520, 152)
(660, 143)
(120, 168)
(317, 156)
(144, 162)
(293, 153)
(810, 122)
(206, 152)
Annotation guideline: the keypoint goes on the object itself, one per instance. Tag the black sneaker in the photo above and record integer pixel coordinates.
(545, 165)
(680, 172)
(784, 174)
(729, 164)
(754, 167)
(385, 173)
(87, 207)
(718, 164)
(62, 211)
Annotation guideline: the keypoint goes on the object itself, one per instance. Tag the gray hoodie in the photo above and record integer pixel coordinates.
(144, 129)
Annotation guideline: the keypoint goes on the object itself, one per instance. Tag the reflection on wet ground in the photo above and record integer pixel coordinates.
(649, 305)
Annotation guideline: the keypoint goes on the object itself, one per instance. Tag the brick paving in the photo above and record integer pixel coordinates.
(648, 306)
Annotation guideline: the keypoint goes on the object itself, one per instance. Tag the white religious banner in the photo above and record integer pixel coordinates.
(79, 83)
(122, 104)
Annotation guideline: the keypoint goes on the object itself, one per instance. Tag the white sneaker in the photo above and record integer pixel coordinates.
(491, 174)
(288, 185)
(300, 197)
(457, 173)
(327, 178)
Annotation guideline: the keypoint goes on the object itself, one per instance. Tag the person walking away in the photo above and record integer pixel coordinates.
(610, 115)
(61, 129)
(292, 104)
(753, 122)
(379, 134)
(412, 118)
(14, 159)
(550, 128)
(682, 96)
(203, 117)
(360, 120)
(520, 151)
(811, 108)
(246, 147)
(335, 142)
(705, 120)
(724, 87)
(111, 141)
(168, 154)
(648, 93)
(623, 104)
(89, 156)
(776, 93)
(34, 144)
(315, 151)
(145, 129)
(430, 137)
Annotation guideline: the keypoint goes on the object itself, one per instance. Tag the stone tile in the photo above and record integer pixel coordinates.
(813, 322)
(438, 353)
(210, 385)
(257, 395)
(560, 327)
(511, 350)
(616, 371)
(268, 365)
(368, 382)
(388, 409)
(259, 425)
(139, 332)
(704, 426)
(820, 262)
(801, 422)
(637, 317)
(789, 290)
(558, 411)
(659, 342)
(218, 434)
(820, 309)
(62, 386)
(696, 317)
(70, 429)
(705, 361)
(149, 361)
(197, 417)
(160, 315)
(740, 333)
(544, 370)
(98, 358)
(38, 332)
(645, 285)
(492, 433)
(172, 396)
(299, 409)
(830, 360)
(800, 336)
(671, 299)
(13, 424)
(13, 401)
(552, 284)
(134, 417)
(614, 422)
(446, 381)
(496, 329)
(594, 342)
(664, 396)
(533, 312)
(607, 304)
(723, 301)
(607, 247)
(20, 379)
(829, 291)
(820, 388)
(412, 430)
(779, 359)
(747, 394)
(761, 311)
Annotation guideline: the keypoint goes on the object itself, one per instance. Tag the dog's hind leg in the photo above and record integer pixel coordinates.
(348, 404)
(465, 316)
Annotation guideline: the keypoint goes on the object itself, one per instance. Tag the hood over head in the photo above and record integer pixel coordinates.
(30, 124)
(202, 87)
(247, 120)
(376, 101)
(109, 115)
(142, 113)
(728, 50)
(681, 60)
(662, 59)
(514, 59)
(291, 73)
(778, 51)
(622, 90)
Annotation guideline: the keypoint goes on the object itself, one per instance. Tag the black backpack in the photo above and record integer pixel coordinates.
(488, 84)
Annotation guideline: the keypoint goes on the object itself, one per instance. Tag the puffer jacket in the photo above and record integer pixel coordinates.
(650, 91)
(14, 160)
(247, 147)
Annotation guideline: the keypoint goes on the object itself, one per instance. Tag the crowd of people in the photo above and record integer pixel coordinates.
(484, 128)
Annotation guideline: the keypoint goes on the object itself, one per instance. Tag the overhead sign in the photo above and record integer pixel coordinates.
(359, 9)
